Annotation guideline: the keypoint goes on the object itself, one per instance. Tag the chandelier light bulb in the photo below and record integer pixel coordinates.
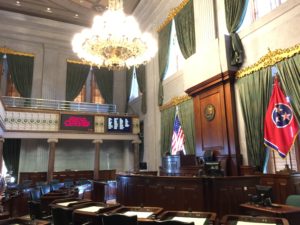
(114, 40)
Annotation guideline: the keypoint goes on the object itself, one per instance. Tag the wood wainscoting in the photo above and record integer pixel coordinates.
(215, 120)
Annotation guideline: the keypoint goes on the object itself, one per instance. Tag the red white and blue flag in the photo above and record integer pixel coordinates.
(177, 137)
(281, 127)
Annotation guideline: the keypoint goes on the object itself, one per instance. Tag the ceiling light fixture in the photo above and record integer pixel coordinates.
(114, 40)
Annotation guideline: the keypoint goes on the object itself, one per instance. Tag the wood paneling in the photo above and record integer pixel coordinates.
(213, 194)
(220, 133)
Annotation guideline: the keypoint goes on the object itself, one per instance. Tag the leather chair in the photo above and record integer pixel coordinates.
(293, 200)
(119, 219)
(57, 186)
(45, 189)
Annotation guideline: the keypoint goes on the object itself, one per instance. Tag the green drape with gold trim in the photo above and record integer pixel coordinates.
(186, 115)
(289, 73)
(163, 57)
(76, 77)
(185, 30)
(141, 79)
(105, 83)
(11, 155)
(129, 77)
(235, 11)
(255, 91)
(167, 122)
(21, 70)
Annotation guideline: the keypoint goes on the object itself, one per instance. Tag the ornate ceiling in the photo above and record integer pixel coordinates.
(79, 12)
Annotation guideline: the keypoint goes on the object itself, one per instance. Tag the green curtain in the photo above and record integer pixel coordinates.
(105, 82)
(185, 30)
(235, 11)
(186, 115)
(21, 70)
(255, 91)
(129, 76)
(11, 155)
(289, 73)
(167, 122)
(76, 77)
(141, 79)
(164, 37)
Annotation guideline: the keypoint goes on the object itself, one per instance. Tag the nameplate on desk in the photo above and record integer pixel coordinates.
(90, 209)
(253, 223)
(119, 124)
(138, 214)
(65, 203)
(196, 220)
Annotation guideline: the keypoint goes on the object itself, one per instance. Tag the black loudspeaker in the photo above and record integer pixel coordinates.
(143, 166)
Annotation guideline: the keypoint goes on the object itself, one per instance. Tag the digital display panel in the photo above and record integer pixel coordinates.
(77, 122)
(119, 124)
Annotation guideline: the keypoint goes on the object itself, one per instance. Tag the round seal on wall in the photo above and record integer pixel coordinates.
(209, 112)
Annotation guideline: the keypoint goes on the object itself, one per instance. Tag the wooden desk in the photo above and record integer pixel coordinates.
(26, 220)
(232, 219)
(208, 218)
(291, 213)
(91, 211)
(143, 213)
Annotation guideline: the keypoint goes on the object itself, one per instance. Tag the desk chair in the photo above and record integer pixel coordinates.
(121, 219)
(59, 216)
(293, 200)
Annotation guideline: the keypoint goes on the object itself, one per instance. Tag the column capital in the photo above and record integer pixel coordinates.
(136, 142)
(98, 141)
(52, 140)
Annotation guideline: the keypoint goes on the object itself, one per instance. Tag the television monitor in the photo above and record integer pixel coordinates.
(264, 194)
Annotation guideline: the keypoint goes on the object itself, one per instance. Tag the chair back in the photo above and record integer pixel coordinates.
(45, 189)
(121, 219)
(35, 194)
(57, 186)
(293, 200)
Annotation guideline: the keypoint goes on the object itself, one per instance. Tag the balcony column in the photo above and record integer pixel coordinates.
(1, 154)
(97, 158)
(136, 156)
(51, 159)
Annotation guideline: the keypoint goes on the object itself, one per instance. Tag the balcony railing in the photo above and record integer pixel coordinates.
(48, 104)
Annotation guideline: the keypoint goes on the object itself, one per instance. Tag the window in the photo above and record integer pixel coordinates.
(90, 91)
(258, 8)
(134, 92)
(176, 58)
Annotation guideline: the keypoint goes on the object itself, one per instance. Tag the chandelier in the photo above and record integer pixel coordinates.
(114, 40)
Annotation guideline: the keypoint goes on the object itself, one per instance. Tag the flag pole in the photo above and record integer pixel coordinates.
(290, 157)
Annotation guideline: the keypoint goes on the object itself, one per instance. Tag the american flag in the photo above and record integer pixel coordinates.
(178, 137)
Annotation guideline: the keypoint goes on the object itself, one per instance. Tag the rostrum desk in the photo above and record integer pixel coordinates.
(222, 195)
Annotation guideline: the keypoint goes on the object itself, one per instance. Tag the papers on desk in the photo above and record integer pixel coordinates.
(197, 221)
(253, 223)
(90, 209)
(138, 214)
(65, 203)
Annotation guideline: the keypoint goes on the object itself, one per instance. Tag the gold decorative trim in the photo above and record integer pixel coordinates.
(78, 62)
(172, 14)
(5, 50)
(270, 59)
(174, 101)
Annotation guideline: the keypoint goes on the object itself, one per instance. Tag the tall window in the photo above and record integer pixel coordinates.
(259, 8)
(90, 91)
(176, 59)
(134, 92)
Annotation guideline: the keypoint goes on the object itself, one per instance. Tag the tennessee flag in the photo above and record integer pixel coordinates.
(281, 127)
